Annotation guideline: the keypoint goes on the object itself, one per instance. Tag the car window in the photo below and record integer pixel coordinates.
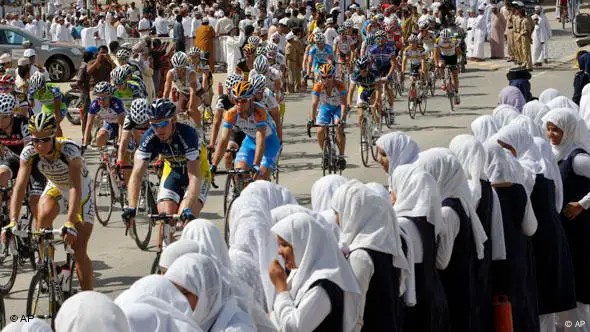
(11, 37)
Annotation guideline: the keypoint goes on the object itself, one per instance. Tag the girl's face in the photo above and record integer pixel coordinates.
(554, 133)
(286, 251)
(383, 160)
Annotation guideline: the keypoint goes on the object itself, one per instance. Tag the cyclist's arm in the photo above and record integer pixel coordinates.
(125, 137)
(205, 81)
(193, 100)
(309, 62)
(393, 64)
(56, 106)
(194, 183)
(120, 121)
(217, 119)
(139, 168)
(343, 107)
(423, 64)
(76, 166)
(276, 116)
(260, 140)
(315, 102)
(351, 90)
(89, 122)
(376, 94)
(19, 190)
(404, 59)
(168, 85)
(331, 59)
(221, 146)
(436, 55)
(278, 84)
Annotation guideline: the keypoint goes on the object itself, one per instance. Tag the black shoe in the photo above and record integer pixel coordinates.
(341, 163)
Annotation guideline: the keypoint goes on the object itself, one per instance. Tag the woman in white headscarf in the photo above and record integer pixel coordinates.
(503, 114)
(535, 110)
(214, 306)
(417, 204)
(321, 195)
(369, 227)
(143, 317)
(33, 325)
(466, 236)
(515, 275)
(396, 149)
(553, 262)
(484, 127)
(585, 109)
(568, 136)
(472, 156)
(548, 94)
(175, 250)
(562, 102)
(272, 194)
(312, 297)
(284, 211)
(90, 311)
(512, 96)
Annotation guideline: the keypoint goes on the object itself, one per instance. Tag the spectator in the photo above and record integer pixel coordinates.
(99, 69)
(157, 52)
(31, 56)
(224, 25)
(122, 29)
(6, 62)
(581, 78)
(205, 38)
(178, 32)
(162, 24)
(144, 27)
(133, 14)
(23, 72)
(113, 47)
(294, 53)
(83, 83)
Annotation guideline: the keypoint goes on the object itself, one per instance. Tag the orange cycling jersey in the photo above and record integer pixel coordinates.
(257, 118)
(329, 98)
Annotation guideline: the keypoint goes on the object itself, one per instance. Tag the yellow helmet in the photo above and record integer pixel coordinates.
(242, 90)
(327, 70)
(41, 122)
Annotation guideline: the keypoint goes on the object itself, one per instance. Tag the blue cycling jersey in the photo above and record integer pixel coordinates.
(182, 147)
(109, 114)
(366, 82)
(320, 56)
(381, 56)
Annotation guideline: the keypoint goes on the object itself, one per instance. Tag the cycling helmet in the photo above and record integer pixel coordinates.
(261, 51)
(319, 38)
(363, 62)
(254, 40)
(370, 39)
(380, 35)
(140, 111)
(7, 103)
(103, 88)
(261, 64)
(179, 59)
(341, 30)
(412, 38)
(204, 55)
(389, 28)
(242, 90)
(123, 53)
(6, 79)
(348, 24)
(231, 80)
(249, 49)
(272, 49)
(37, 81)
(120, 74)
(258, 82)
(445, 34)
(91, 49)
(327, 70)
(194, 51)
(42, 121)
(379, 17)
(162, 108)
(423, 25)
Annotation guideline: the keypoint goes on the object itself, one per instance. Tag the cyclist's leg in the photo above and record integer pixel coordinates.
(272, 146)
(235, 141)
(8, 170)
(194, 112)
(362, 98)
(104, 134)
(340, 136)
(170, 191)
(49, 208)
(245, 156)
(324, 117)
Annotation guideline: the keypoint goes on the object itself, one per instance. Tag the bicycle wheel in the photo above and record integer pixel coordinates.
(226, 224)
(374, 151)
(412, 104)
(8, 265)
(156, 265)
(423, 100)
(229, 189)
(142, 227)
(41, 293)
(432, 83)
(365, 142)
(103, 195)
(327, 157)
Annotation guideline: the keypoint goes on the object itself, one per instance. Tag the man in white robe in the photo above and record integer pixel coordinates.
(460, 20)
(539, 41)
(546, 25)
(471, 20)
(479, 35)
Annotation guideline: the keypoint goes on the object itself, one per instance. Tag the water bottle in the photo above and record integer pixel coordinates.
(64, 277)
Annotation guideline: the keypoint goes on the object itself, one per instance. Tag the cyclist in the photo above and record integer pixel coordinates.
(261, 145)
(44, 97)
(366, 79)
(225, 103)
(7, 86)
(181, 87)
(367, 43)
(60, 161)
(262, 67)
(383, 57)
(343, 48)
(243, 67)
(263, 95)
(330, 95)
(416, 56)
(134, 126)
(178, 145)
(304, 72)
(426, 37)
(123, 56)
(126, 88)
(446, 50)
(108, 108)
(319, 54)
(206, 83)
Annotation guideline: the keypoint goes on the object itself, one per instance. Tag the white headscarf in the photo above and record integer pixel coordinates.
(317, 256)
(575, 132)
(548, 94)
(33, 325)
(585, 108)
(246, 207)
(550, 169)
(144, 317)
(529, 125)
(400, 149)
(503, 114)
(417, 195)
(586, 90)
(562, 102)
(484, 127)
(535, 110)
(378, 189)
(209, 239)
(472, 156)
(452, 182)
(504, 168)
(284, 211)
(90, 311)
(175, 250)
(323, 190)
(199, 274)
(272, 194)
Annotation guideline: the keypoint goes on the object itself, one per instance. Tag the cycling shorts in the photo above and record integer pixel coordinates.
(383, 71)
(37, 180)
(272, 145)
(450, 60)
(113, 131)
(237, 136)
(364, 95)
(86, 213)
(415, 69)
(174, 183)
(328, 114)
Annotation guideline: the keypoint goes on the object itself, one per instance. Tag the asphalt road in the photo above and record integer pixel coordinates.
(118, 262)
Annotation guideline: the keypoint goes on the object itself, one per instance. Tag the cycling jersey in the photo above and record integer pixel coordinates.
(109, 114)
(183, 86)
(18, 137)
(329, 102)
(132, 91)
(182, 147)
(427, 41)
(258, 118)
(223, 103)
(381, 57)
(320, 57)
(272, 75)
(43, 100)
(366, 82)
(242, 69)
(446, 47)
(268, 100)
(414, 56)
(344, 44)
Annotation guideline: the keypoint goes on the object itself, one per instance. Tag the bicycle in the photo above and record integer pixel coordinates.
(450, 88)
(431, 78)
(235, 182)
(329, 155)
(367, 137)
(166, 230)
(51, 279)
(15, 246)
(417, 97)
(386, 110)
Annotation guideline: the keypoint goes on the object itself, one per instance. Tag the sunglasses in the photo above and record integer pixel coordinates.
(5, 88)
(36, 140)
(241, 100)
(101, 98)
(162, 124)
